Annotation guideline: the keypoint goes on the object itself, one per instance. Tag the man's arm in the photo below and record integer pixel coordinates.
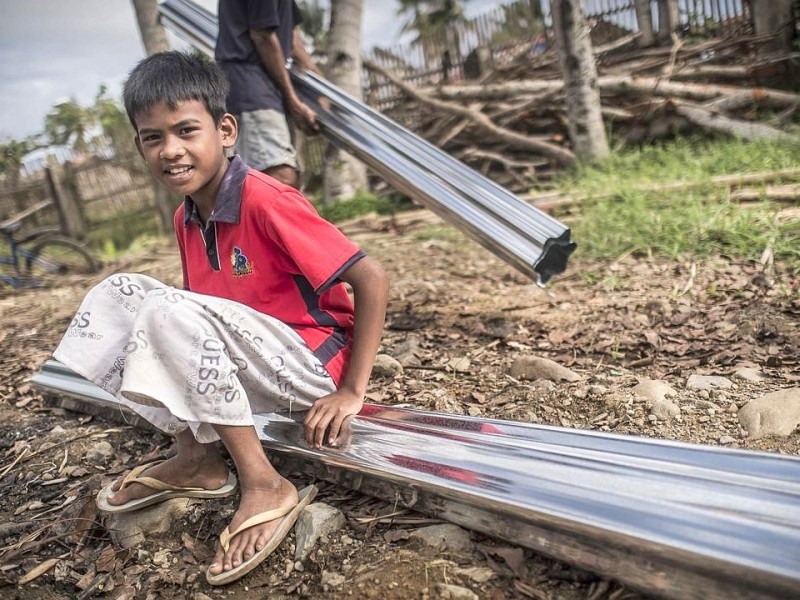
(370, 292)
(269, 51)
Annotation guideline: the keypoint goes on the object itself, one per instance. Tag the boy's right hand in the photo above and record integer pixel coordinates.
(330, 412)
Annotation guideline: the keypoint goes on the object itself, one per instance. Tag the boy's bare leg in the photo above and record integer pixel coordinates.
(195, 465)
(262, 488)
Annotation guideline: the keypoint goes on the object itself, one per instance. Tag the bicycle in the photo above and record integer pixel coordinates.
(41, 254)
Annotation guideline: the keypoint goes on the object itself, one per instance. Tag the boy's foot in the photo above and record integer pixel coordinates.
(264, 517)
(176, 477)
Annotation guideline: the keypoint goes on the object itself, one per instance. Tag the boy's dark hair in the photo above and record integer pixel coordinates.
(172, 77)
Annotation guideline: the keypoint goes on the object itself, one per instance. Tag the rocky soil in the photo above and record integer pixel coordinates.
(703, 351)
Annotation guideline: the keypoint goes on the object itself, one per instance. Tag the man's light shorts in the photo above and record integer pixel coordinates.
(265, 140)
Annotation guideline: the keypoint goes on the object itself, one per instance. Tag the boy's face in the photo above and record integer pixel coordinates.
(185, 150)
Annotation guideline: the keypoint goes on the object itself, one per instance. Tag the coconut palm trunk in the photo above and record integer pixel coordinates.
(154, 38)
(578, 68)
(344, 174)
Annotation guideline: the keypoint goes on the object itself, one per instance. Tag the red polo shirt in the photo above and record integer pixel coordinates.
(265, 246)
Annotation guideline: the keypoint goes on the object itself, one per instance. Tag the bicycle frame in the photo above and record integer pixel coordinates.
(19, 254)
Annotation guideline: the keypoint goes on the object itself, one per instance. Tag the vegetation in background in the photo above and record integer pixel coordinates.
(361, 204)
(618, 216)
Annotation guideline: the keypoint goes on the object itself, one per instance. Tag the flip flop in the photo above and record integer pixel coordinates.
(289, 515)
(163, 491)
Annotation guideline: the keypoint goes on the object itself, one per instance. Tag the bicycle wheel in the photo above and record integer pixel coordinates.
(55, 255)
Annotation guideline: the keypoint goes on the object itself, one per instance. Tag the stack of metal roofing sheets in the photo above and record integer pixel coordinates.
(525, 237)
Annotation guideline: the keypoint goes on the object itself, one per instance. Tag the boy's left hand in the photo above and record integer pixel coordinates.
(330, 411)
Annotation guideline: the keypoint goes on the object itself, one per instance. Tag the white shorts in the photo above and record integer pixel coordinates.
(181, 359)
(265, 140)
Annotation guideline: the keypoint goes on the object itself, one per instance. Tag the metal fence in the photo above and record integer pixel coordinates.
(511, 31)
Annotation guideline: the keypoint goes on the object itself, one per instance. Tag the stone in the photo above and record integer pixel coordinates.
(726, 440)
(777, 413)
(749, 374)
(100, 453)
(386, 366)
(451, 537)
(455, 592)
(653, 390)
(130, 529)
(664, 410)
(316, 521)
(332, 579)
(536, 367)
(708, 382)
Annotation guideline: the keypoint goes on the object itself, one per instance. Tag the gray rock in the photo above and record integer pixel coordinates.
(386, 366)
(749, 374)
(406, 352)
(331, 579)
(536, 367)
(726, 440)
(100, 453)
(455, 592)
(451, 537)
(664, 410)
(132, 528)
(316, 521)
(708, 382)
(653, 390)
(777, 413)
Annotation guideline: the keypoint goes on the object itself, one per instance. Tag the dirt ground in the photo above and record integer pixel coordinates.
(463, 317)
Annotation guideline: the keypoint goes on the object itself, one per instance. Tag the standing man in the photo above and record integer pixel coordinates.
(256, 37)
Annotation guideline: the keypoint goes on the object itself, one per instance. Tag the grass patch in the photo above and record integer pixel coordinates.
(113, 237)
(618, 217)
(361, 204)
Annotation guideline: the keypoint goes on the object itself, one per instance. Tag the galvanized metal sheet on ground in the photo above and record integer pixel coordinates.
(676, 520)
(526, 238)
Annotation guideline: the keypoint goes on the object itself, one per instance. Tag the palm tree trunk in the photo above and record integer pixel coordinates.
(774, 17)
(644, 18)
(154, 38)
(585, 125)
(344, 174)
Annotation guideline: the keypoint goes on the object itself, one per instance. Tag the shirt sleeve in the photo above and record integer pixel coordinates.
(318, 248)
(262, 14)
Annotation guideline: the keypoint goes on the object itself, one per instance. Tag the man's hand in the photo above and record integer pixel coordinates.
(304, 116)
(330, 411)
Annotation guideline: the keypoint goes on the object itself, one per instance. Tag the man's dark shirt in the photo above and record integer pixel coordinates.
(251, 86)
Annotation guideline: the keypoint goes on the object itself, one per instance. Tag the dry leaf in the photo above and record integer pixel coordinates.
(107, 561)
(38, 570)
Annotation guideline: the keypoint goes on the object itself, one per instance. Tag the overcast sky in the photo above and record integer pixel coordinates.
(53, 50)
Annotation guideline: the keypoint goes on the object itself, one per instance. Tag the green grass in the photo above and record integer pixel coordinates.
(112, 237)
(617, 217)
(361, 204)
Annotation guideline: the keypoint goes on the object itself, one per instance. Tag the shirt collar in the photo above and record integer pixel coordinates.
(227, 208)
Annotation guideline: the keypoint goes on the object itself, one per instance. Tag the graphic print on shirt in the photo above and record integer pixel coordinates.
(240, 263)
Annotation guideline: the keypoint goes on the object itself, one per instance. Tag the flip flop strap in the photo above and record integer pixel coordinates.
(226, 536)
(152, 483)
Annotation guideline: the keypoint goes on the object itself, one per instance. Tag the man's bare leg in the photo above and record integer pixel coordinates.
(194, 465)
(262, 488)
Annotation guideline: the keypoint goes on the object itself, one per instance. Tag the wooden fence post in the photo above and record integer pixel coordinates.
(644, 19)
(668, 19)
(166, 204)
(70, 210)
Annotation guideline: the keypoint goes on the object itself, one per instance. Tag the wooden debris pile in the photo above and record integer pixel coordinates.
(511, 123)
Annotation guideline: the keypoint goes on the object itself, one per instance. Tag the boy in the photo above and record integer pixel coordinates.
(263, 323)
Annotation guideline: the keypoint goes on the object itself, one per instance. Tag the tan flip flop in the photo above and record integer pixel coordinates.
(163, 491)
(289, 515)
